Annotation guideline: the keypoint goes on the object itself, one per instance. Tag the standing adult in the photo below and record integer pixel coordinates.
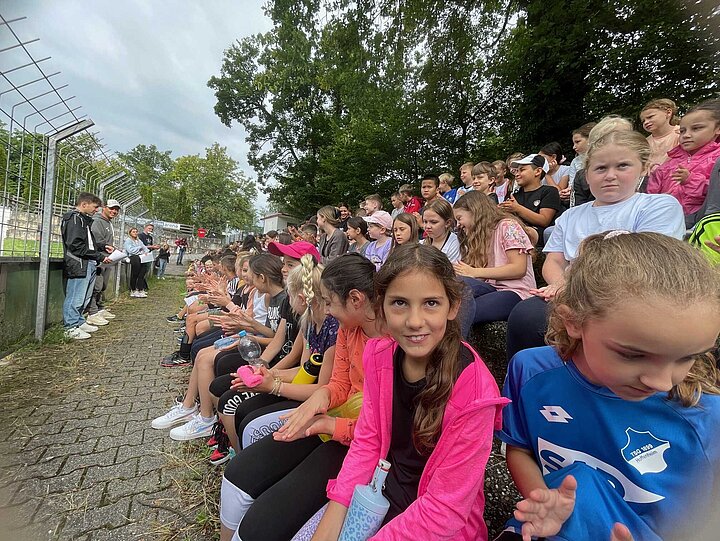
(102, 230)
(135, 248)
(163, 259)
(147, 239)
(81, 254)
(181, 244)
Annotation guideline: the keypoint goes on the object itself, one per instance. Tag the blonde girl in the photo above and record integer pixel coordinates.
(660, 118)
(438, 222)
(496, 259)
(429, 408)
(405, 230)
(623, 406)
(317, 336)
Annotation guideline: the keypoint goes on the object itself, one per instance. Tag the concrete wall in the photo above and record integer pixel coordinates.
(18, 296)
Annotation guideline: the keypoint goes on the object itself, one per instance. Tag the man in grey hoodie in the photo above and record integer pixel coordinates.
(102, 230)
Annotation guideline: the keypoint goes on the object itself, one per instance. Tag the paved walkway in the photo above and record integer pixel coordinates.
(80, 460)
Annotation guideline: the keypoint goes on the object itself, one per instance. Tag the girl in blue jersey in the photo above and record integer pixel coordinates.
(612, 431)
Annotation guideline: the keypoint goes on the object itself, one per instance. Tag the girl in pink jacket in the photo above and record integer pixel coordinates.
(686, 174)
(429, 407)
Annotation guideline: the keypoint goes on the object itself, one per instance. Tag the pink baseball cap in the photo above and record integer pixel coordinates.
(295, 250)
(381, 218)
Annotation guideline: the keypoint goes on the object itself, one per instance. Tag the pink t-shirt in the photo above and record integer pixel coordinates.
(509, 235)
(660, 146)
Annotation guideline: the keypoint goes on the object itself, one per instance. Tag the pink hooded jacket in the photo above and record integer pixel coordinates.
(450, 501)
(692, 192)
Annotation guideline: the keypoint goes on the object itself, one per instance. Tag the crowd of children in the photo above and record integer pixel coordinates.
(611, 403)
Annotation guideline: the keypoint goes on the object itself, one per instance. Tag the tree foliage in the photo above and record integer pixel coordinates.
(343, 98)
(206, 191)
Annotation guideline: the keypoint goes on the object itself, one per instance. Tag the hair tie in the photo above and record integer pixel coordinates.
(615, 233)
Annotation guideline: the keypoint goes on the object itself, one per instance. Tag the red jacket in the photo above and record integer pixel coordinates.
(451, 500)
(693, 191)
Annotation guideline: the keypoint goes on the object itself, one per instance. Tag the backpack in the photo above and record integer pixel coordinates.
(707, 229)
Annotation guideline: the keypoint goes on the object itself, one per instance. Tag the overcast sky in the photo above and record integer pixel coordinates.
(140, 68)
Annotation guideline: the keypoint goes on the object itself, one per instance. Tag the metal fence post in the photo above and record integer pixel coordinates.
(106, 182)
(122, 232)
(47, 207)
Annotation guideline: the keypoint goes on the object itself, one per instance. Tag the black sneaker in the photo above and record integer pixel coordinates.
(172, 319)
(174, 360)
(180, 330)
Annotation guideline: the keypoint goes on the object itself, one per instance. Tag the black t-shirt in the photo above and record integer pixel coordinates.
(407, 465)
(291, 329)
(545, 197)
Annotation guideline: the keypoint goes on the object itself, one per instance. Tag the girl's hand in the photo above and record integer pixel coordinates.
(620, 533)
(565, 194)
(463, 269)
(229, 347)
(237, 384)
(300, 419)
(547, 293)
(546, 510)
(321, 424)
(681, 174)
(266, 385)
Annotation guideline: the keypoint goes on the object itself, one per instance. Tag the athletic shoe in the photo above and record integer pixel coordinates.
(176, 416)
(180, 330)
(217, 436)
(142, 294)
(97, 320)
(134, 293)
(219, 456)
(87, 327)
(173, 318)
(194, 428)
(106, 314)
(174, 360)
(76, 334)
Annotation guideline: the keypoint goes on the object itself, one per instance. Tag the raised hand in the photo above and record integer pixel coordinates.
(545, 510)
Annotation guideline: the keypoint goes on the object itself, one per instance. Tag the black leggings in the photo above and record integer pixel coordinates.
(287, 481)
(137, 274)
(527, 324)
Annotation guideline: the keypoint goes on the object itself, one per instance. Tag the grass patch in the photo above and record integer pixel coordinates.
(22, 247)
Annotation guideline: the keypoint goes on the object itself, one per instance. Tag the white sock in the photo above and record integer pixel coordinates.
(208, 420)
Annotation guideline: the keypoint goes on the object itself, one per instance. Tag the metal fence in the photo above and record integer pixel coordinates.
(48, 155)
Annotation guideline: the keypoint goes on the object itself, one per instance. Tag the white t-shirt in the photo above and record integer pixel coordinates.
(559, 174)
(451, 248)
(658, 213)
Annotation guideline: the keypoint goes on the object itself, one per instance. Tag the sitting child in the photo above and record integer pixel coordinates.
(618, 422)
(686, 174)
(430, 406)
(533, 203)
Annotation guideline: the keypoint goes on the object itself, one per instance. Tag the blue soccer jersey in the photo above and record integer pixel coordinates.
(651, 465)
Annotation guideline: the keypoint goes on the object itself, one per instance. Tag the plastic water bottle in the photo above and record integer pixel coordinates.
(226, 341)
(368, 508)
(250, 349)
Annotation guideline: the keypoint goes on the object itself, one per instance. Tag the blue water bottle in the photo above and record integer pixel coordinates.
(368, 507)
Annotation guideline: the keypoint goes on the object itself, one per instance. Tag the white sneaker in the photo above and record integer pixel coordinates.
(105, 314)
(97, 320)
(142, 294)
(195, 428)
(176, 416)
(87, 327)
(76, 334)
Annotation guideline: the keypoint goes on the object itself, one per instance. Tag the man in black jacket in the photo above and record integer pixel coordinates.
(81, 254)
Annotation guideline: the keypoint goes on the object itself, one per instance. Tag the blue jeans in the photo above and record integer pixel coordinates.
(482, 303)
(162, 263)
(77, 296)
(181, 253)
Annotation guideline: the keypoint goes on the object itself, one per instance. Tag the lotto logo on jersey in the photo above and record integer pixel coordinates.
(555, 414)
(644, 452)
